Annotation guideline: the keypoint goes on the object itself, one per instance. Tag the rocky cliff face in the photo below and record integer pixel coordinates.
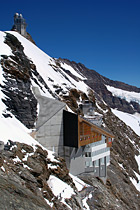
(19, 71)
(25, 172)
(123, 167)
(17, 87)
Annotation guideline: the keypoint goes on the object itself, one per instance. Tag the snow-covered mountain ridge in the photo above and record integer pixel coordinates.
(24, 66)
(100, 83)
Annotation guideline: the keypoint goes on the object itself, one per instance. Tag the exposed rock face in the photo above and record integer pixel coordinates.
(74, 97)
(24, 172)
(18, 73)
(17, 88)
(18, 196)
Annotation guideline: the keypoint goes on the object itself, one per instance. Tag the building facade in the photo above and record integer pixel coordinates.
(84, 145)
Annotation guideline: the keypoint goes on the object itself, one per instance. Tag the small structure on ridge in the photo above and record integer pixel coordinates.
(19, 24)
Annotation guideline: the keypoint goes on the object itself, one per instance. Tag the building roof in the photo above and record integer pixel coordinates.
(97, 128)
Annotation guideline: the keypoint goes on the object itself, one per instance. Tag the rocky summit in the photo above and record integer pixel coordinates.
(29, 173)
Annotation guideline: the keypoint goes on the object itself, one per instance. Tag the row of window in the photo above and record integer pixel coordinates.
(90, 137)
(20, 21)
(91, 154)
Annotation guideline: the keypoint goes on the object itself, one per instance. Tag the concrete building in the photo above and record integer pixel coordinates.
(84, 145)
(19, 24)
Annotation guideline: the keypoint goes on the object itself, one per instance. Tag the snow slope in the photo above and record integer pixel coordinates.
(132, 120)
(47, 68)
(4, 48)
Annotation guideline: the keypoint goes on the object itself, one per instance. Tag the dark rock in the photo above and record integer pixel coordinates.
(26, 147)
(19, 197)
(34, 165)
(40, 151)
(9, 144)
(1, 160)
(17, 75)
(26, 175)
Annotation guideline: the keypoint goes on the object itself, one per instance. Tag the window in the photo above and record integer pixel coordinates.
(90, 164)
(96, 162)
(87, 163)
(109, 140)
(102, 161)
(87, 154)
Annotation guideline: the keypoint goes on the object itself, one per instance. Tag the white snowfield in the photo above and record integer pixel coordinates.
(123, 94)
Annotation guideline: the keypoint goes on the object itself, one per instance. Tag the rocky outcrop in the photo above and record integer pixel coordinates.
(18, 72)
(24, 172)
(19, 99)
(15, 196)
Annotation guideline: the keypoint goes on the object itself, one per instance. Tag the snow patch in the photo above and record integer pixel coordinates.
(138, 161)
(59, 188)
(135, 183)
(132, 120)
(123, 94)
(69, 68)
(47, 68)
(84, 201)
(4, 48)
(3, 169)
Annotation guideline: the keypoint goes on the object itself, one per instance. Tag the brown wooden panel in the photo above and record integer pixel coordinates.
(89, 133)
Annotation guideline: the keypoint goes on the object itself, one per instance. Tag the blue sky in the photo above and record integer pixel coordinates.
(104, 35)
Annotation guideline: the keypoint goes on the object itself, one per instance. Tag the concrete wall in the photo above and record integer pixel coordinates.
(50, 134)
(77, 163)
(49, 126)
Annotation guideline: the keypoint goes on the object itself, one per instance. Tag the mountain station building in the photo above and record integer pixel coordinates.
(83, 144)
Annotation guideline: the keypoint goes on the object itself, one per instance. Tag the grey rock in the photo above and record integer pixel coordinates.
(14, 196)
(1, 145)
